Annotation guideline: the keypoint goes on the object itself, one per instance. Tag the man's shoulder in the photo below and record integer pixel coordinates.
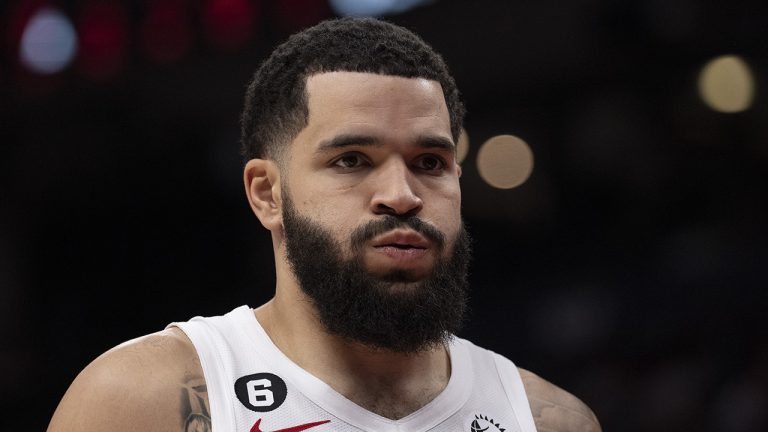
(136, 383)
(554, 409)
(153, 359)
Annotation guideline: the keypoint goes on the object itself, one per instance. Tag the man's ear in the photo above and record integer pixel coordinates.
(262, 187)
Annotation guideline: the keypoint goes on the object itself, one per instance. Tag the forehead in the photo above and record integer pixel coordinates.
(383, 105)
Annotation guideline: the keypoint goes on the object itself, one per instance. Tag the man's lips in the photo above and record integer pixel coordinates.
(401, 239)
(401, 245)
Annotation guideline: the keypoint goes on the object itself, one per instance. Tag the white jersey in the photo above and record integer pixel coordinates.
(254, 387)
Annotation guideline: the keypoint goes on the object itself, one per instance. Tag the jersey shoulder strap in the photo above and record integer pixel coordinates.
(219, 342)
(515, 390)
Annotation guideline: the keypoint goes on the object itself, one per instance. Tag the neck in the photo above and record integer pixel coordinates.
(388, 383)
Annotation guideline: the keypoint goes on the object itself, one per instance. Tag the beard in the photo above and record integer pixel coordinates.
(394, 311)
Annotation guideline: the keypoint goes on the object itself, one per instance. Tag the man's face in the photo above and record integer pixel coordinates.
(371, 210)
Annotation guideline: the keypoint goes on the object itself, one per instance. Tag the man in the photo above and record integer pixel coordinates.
(349, 129)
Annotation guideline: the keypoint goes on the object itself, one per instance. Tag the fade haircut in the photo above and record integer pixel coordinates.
(276, 110)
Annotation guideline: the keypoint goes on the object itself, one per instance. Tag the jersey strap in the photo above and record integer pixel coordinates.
(210, 350)
(515, 390)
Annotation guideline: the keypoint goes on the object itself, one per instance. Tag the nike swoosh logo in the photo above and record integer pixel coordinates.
(298, 428)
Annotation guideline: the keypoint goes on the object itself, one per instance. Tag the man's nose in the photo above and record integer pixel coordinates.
(393, 191)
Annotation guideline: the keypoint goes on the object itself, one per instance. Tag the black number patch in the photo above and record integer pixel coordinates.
(261, 392)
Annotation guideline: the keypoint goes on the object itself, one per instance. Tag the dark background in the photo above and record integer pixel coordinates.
(630, 269)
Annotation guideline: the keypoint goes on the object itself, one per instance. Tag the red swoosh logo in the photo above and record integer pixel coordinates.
(298, 428)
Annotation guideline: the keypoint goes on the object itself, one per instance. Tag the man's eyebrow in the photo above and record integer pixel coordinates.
(347, 140)
(350, 140)
(434, 141)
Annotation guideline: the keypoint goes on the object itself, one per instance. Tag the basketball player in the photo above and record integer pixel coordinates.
(349, 131)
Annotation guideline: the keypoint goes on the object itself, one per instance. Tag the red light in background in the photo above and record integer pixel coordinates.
(294, 15)
(166, 33)
(19, 17)
(103, 30)
(229, 24)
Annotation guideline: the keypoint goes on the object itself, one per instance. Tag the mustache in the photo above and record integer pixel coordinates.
(386, 223)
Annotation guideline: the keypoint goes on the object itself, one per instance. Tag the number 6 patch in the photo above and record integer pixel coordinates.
(261, 392)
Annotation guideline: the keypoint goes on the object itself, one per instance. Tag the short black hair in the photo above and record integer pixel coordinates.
(275, 108)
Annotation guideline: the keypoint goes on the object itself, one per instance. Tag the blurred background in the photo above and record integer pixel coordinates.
(615, 184)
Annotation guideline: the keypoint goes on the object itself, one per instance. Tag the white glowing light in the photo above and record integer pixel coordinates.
(505, 161)
(462, 147)
(49, 42)
(374, 7)
(726, 84)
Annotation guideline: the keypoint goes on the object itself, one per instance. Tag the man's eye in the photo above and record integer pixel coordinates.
(430, 163)
(349, 161)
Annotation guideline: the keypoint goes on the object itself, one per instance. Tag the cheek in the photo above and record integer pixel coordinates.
(330, 209)
(453, 211)
(448, 199)
(333, 216)
(443, 210)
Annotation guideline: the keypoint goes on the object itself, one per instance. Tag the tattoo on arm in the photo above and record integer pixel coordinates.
(195, 414)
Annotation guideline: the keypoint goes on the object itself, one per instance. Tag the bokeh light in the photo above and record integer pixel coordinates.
(229, 23)
(166, 33)
(49, 42)
(726, 84)
(505, 161)
(462, 147)
(373, 7)
(293, 15)
(103, 39)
